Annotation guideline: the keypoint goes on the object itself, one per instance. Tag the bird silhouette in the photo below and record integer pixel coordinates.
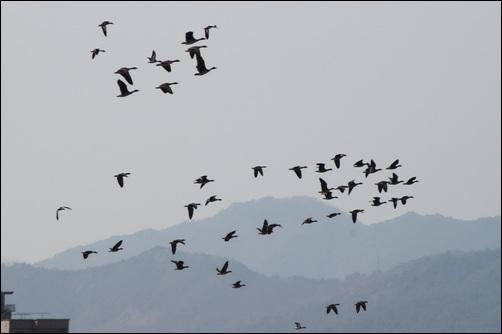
(395, 200)
(166, 64)
(87, 253)
(95, 52)
(116, 247)
(120, 178)
(124, 71)
(153, 58)
(360, 304)
(206, 30)
(382, 185)
(191, 207)
(201, 65)
(334, 214)
(322, 169)
(394, 165)
(237, 285)
(194, 50)
(165, 87)
(103, 26)
(61, 209)
(360, 163)
(202, 181)
(309, 221)
(371, 168)
(337, 159)
(411, 180)
(298, 170)
(404, 199)
(332, 307)
(324, 187)
(123, 89)
(329, 195)
(299, 326)
(212, 199)
(376, 201)
(229, 236)
(352, 184)
(179, 265)
(258, 170)
(394, 179)
(174, 243)
(223, 270)
(189, 39)
(354, 214)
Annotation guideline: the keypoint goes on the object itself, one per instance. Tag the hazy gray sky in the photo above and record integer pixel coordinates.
(296, 83)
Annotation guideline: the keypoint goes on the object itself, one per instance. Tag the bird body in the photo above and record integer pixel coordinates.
(332, 307)
(299, 326)
(189, 39)
(309, 221)
(360, 163)
(337, 159)
(322, 169)
(354, 214)
(394, 200)
(405, 198)
(153, 58)
(206, 30)
(116, 247)
(191, 207)
(120, 178)
(360, 304)
(258, 170)
(123, 89)
(174, 243)
(179, 265)
(165, 87)
(394, 165)
(352, 184)
(223, 270)
(166, 64)
(376, 201)
(95, 52)
(334, 214)
(229, 236)
(324, 187)
(194, 50)
(394, 179)
(103, 26)
(201, 65)
(382, 185)
(202, 181)
(411, 180)
(61, 209)
(212, 199)
(237, 285)
(298, 170)
(124, 71)
(87, 253)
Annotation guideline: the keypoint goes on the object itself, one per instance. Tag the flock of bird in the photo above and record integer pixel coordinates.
(265, 228)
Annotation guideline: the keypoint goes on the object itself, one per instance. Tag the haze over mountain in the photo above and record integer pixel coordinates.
(448, 292)
(338, 246)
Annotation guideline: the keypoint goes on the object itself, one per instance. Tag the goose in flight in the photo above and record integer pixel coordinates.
(258, 170)
(332, 307)
(87, 253)
(194, 50)
(124, 71)
(174, 243)
(153, 58)
(322, 169)
(309, 221)
(212, 199)
(61, 209)
(394, 165)
(120, 178)
(229, 236)
(337, 159)
(189, 39)
(95, 52)
(298, 170)
(376, 201)
(166, 64)
(352, 184)
(405, 198)
(191, 207)
(202, 181)
(360, 163)
(324, 187)
(165, 87)
(201, 65)
(329, 195)
(206, 30)
(179, 265)
(103, 26)
(123, 89)
(371, 168)
(395, 200)
(354, 214)
(116, 247)
(359, 305)
(299, 326)
(223, 270)
(382, 185)
(411, 180)
(334, 214)
(394, 179)
(237, 285)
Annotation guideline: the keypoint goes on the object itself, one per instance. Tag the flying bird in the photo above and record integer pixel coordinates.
(206, 30)
(223, 270)
(329, 195)
(189, 39)
(371, 168)
(299, 326)
(334, 214)
(202, 181)
(165, 87)
(237, 285)
(174, 243)
(61, 209)
(354, 214)
(337, 159)
(258, 170)
(324, 187)
(179, 265)
(116, 247)
(124, 71)
(166, 64)
(411, 180)
(394, 179)
(360, 163)
(382, 185)
(95, 52)
(376, 201)
(123, 89)
(153, 58)
(120, 178)
(191, 207)
(359, 305)
(201, 65)
(194, 50)
(212, 199)
(332, 307)
(309, 221)
(394, 165)
(322, 169)
(229, 236)
(264, 229)
(395, 200)
(298, 170)
(352, 184)
(405, 198)
(87, 253)
(103, 26)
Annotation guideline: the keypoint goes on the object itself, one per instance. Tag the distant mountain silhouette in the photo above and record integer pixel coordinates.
(338, 246)
(448, 292)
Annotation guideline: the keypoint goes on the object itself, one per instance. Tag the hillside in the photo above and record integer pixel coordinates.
(449, 292)
(339, 246)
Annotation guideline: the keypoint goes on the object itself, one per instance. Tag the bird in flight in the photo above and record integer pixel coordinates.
(103, 26)
(61, 209)
(116, 247)
(237, 285)
(394, 165)
(153, 58)
(360, 304)
(189, 39)
(229, 236)
(201, 65)
(124, 71)
(206, 30)
(337, 159)
(192, 51)
(120, 178)
(411, 180)
(202, 181)
(87, 253)
(299, 326)
(165, 87)
(166, 64)
(376, 201)
(332, 307)
(298, 170)
(123, 89)
(334, 214)
(354, 214)
(258, 170)
(212, 199)
(223, 270)
(322, 169)
(176, 242)
(179, 265)
(309, 221)
(191, 207)
(95, 52)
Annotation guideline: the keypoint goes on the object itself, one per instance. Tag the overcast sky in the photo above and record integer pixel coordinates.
(296, 83)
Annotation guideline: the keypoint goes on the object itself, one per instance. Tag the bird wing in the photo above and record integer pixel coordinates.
(123, 87)
(57, 214)
(117, 245)
(189, 36)
(173, 247)
(364, 306)
(358, 306)
(298, 172)
(225, 266)
(324, 185)
(190, 211)
(201, 65)
(103, 26)
(126, 76)
(120, 180)
(85, 254)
